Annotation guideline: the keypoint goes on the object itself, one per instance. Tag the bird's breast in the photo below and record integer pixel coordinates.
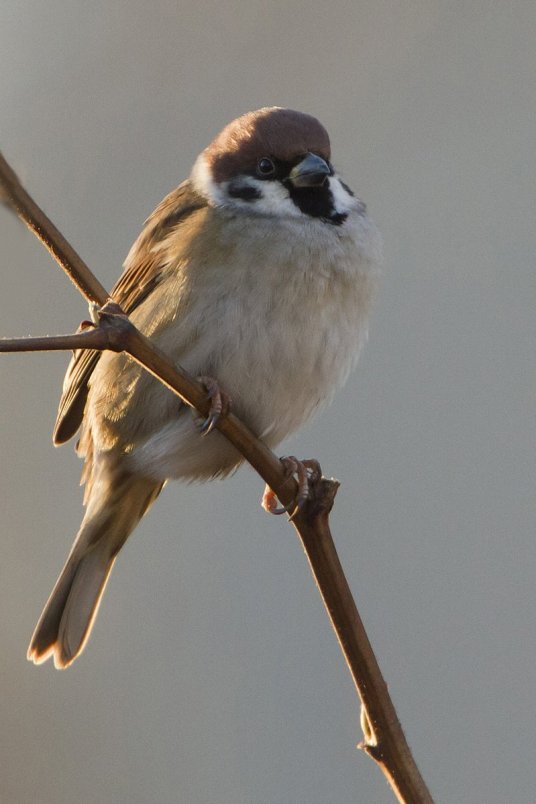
(281, 323)
(278, 318)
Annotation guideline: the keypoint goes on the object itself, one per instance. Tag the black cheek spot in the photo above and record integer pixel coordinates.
(345, 187)
(246, 192)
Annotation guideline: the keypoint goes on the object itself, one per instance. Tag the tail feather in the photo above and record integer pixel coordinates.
(68, 616)
(67, 619)
(83, 604)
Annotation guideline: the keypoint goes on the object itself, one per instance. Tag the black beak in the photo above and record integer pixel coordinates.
(310, 172)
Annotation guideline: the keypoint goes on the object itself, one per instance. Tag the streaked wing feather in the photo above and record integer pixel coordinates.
(141, 274)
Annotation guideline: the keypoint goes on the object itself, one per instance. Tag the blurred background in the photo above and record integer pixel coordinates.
(212, 676)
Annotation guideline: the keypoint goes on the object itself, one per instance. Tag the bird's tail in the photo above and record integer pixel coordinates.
(115, 507)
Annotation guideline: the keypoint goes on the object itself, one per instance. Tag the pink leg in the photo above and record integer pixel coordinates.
(307, 472)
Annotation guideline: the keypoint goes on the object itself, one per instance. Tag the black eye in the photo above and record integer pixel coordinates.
(265, 167)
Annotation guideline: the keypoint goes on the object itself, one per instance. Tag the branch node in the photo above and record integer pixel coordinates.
(119, 329)
(372, 751)
(322, 499)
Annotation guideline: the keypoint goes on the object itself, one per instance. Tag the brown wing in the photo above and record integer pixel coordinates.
(141, 274)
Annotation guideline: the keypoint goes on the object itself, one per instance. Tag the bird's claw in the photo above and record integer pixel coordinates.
(307, 472)
(220, 403)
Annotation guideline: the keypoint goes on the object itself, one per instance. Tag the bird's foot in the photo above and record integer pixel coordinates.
(220, 404)
(308, 474)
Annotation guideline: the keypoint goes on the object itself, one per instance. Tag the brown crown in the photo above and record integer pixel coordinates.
(281, 133)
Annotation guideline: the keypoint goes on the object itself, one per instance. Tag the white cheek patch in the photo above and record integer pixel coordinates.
(203, 182)
(343, 201)
(274, 200)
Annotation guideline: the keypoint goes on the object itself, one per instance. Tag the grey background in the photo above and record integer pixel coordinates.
(212, 674)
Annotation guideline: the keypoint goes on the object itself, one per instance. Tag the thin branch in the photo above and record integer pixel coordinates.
(92, 339)
(14, 194)
(384, 740)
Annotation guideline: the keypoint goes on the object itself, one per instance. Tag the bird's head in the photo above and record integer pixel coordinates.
(275, 162)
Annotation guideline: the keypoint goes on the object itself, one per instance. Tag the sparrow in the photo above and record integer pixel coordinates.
(257, 271)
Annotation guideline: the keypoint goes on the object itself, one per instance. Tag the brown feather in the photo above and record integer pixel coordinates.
(142, 272)
(272, 131)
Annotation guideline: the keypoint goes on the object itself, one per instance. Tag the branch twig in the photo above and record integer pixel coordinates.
(384, 740)
(35, 219)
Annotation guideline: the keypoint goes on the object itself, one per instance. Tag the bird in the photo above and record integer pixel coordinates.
(257, 271)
